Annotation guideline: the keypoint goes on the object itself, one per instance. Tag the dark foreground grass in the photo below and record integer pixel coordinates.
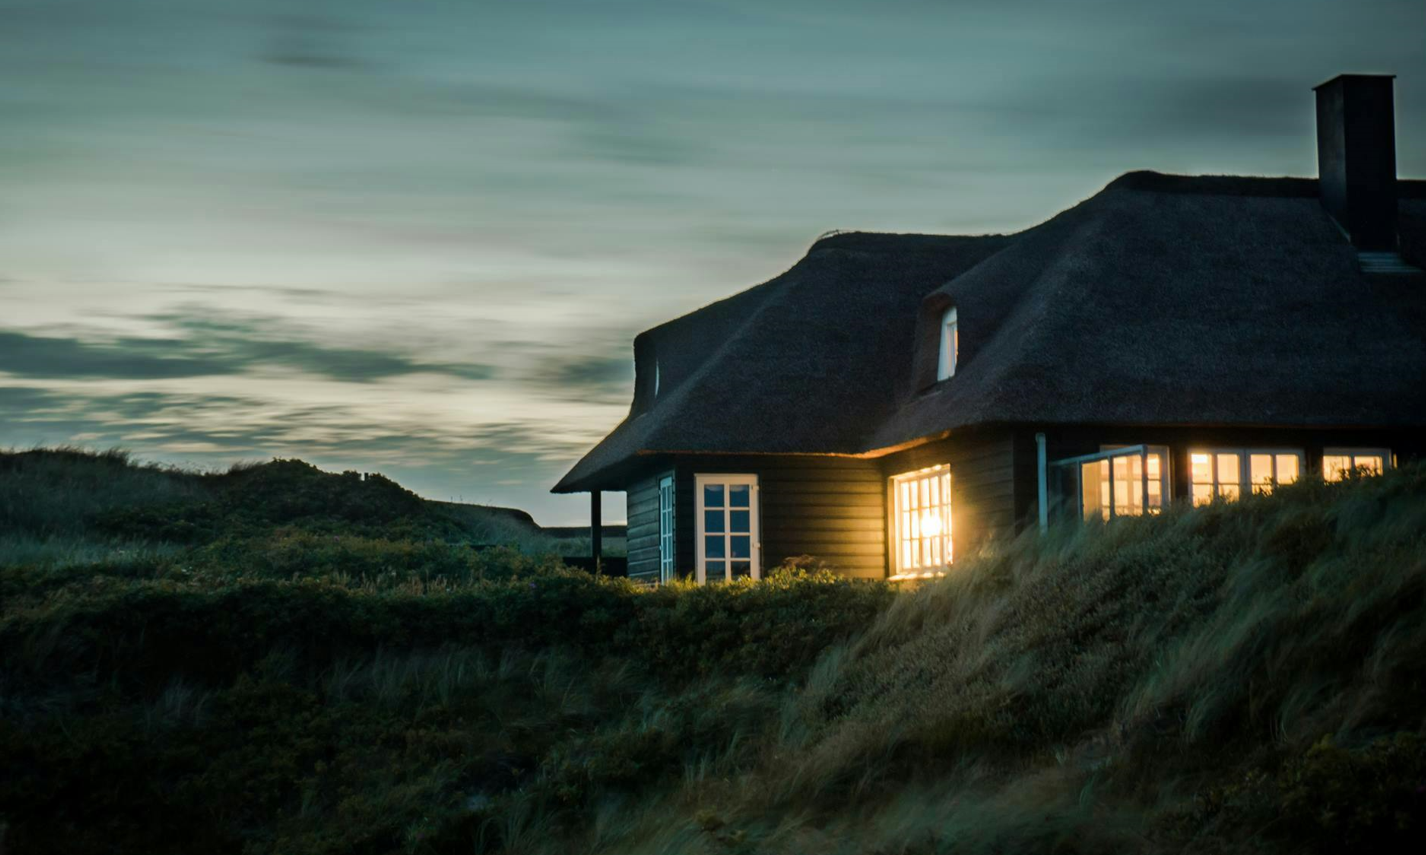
(1234, 678)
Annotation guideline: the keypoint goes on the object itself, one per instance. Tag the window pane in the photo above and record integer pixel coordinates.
(1335, 466)
(1260, 470)
(1090, 495)
(1367, 462)
(1202, 494)
(1156, 483)
(712, 522)
(742, 569)
(1202, 468)
(712, 495)
(713, 546)
(738, 495)
(1228, 469)
(738, 521)
(742, 546)
(714, 571)
(1228, 491)
(1287, 468)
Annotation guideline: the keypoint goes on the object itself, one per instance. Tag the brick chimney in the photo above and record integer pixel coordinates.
(1356, 157)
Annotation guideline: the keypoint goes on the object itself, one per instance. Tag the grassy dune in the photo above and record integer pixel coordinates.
(62, 507)
(1242, 677)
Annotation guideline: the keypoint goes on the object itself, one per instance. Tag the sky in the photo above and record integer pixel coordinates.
(418, 237)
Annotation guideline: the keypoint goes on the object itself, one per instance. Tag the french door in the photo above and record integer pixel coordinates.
(666, 553)
(727, 527)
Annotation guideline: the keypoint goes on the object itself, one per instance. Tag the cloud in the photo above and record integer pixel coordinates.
(598, 377)
(205, 346)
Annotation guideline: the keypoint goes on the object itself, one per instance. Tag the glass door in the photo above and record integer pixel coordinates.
(666, 553)
(727, 527)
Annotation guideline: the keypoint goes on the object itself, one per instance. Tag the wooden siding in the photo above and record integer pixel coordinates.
(643, 511)
(830, 508)
(983, 482)
(836, 509)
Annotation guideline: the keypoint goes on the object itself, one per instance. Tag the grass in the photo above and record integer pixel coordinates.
(1241, 677)
(69, 506)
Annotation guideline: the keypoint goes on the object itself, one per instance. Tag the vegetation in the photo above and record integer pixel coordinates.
(1240, 677)
(63, 507)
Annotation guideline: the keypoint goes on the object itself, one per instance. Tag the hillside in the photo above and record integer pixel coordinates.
(1243, 677)
(73, 506)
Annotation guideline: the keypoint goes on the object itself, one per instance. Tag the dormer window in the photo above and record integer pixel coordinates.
(950, 344)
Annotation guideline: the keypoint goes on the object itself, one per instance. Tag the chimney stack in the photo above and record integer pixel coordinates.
(1356, 157)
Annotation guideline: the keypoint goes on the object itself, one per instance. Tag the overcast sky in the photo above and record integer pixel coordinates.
(418, 237)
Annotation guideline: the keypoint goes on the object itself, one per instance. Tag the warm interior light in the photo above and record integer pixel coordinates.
(922, 514)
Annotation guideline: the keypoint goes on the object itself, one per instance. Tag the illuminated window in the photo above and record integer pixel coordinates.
(1124, 484)
(950, 345)
(922, 514)
(1338, 463)
(1268, 469)
(1224, 474)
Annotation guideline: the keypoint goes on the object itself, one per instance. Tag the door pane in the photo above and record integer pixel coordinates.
(713, 546)
(713, 495)
(738, 521)
(738, 495)
(713, 522)
(742, 546)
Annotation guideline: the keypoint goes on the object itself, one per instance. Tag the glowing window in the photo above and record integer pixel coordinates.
(1218, 474)
(1339, 463)
(1128, 484)
(950, 345)
(1267, 470)
(922, 517)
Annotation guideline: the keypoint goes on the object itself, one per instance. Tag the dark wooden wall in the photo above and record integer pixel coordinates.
(828, 507)
(836, 508)
(983, 482)
(643, 537)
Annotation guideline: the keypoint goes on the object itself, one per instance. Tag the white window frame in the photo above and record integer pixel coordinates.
(898, 523)
(1383, 453)
(667, 556)
(1245, 469)
(950, 345)
(700, 480)
(1075, 467)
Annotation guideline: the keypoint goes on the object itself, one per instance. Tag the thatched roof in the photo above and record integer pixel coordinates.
(1160, 300)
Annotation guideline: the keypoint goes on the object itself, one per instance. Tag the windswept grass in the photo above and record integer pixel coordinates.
(1241, 677)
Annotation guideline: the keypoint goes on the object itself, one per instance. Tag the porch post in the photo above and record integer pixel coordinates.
(596, 527)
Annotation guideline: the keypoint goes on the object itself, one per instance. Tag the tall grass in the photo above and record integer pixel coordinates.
(1241, 677)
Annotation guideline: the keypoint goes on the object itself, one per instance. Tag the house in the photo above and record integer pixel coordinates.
(893, 400)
